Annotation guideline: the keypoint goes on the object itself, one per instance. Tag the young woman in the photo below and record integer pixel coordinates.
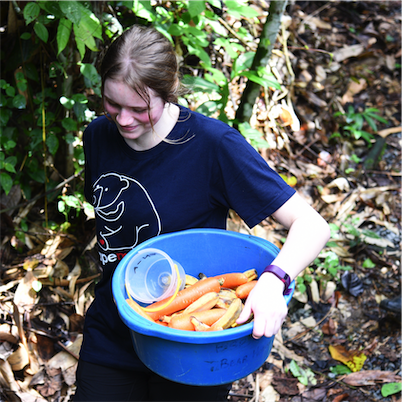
(154, 167)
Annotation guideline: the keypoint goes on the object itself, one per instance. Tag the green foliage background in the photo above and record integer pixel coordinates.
(50, 88)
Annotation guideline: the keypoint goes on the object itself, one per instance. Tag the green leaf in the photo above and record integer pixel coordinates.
(91, 22)
(340, 369)
(52, 143)
(199, 84)
(295, 369)
(370, 233)
(371, 111)
(52, 8)
(80, 43)
(63, 34)
(9, 164)
(175, 30)
(41, 31)
(367, 263)
(5, 115)
(352, 230)
(85, 32)
(128, 3)
(243, 62)
(10, 91)
(196, 7)
(67, 103)
(6, 182)
(332, 271)
(264, 82)
(143, 9)
(301, 287)
(21, 81)
(208, 108)
(391, 388)
(238, 10)
(216, 76)
(19, 102)
(71, 10)
(69, 124)
(80, 98)
(89, 71)
(25, 36)
(9, 145)
(233, 49)
(31, 12)
(253, 135)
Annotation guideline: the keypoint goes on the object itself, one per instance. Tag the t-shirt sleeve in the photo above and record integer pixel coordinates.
(247, 183)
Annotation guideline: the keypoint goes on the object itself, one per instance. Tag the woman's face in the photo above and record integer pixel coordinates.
(130, 112)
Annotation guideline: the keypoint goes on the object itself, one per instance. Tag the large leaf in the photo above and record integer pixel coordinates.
(6, 182)
(239, 10)
(19, 102)
(52, 143)
(31, 12)
(199, 84)
(196, 8)
(71, 10)
(41, 31)
(63, 34)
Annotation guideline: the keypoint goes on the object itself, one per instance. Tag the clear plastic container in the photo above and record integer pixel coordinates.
(151, 275)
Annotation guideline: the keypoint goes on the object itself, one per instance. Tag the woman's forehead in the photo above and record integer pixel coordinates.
(118, 91)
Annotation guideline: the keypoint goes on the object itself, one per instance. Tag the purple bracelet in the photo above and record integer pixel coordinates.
(282, 275)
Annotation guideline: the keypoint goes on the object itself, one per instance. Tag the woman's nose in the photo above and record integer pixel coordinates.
(124, 117)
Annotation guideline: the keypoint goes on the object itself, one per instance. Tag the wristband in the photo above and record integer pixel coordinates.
(282, 275)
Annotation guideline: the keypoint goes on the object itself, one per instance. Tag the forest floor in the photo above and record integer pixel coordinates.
(337, 343)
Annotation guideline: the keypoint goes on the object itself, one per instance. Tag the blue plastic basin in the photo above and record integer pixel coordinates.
(199, 358)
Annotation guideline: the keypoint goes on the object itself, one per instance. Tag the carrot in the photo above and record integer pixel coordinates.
(244, 290)
(138, 309)
(184, 298)
(164, 324)
(208, 317)
(233, 279)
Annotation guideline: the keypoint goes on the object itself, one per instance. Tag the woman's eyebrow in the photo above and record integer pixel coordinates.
(109, 99)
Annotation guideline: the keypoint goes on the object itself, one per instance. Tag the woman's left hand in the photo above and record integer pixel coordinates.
(268, 305)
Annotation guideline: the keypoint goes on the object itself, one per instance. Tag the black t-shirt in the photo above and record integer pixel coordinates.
(190, 181)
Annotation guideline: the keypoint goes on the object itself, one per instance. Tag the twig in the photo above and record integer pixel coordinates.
(304, 20)
(68, 351)
(310, 49)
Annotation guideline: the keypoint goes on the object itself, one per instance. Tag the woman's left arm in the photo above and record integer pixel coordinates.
(308, 234)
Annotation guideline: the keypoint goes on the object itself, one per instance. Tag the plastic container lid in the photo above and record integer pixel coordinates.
(151, 275)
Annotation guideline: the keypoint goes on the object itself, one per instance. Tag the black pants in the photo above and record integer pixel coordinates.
(98, 383)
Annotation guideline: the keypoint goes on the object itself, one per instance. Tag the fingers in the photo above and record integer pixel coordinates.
(264, 324)
(269, 309)
(266, 328)
(245, 314)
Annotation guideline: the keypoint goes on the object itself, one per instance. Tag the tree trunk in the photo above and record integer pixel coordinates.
(261, 58)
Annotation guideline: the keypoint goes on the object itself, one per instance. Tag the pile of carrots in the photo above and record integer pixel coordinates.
(206, 304)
